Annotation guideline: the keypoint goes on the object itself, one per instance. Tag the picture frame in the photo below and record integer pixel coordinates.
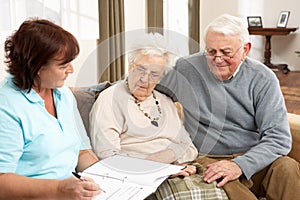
(283, 19)
(254, 22)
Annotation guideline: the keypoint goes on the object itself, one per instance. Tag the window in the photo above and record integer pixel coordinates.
(77, 16)
(177, 24)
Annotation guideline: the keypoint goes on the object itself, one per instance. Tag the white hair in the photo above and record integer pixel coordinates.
(153, 44)
(229, 25)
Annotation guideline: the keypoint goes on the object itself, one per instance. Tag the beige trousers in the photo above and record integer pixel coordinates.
(278, 181)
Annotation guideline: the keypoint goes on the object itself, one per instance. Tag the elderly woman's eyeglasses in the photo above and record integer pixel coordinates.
(142, 71)
(226, 55)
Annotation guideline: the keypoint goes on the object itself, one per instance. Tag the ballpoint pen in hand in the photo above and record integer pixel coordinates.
(83, 179)
(78, 176)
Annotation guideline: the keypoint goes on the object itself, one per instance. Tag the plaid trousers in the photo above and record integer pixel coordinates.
(189, 188)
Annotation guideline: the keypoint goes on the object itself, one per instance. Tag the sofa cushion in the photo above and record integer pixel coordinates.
(86, 97)
(294, 121)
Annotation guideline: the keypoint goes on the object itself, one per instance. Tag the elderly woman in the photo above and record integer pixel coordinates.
(42, 135)
(131, 118)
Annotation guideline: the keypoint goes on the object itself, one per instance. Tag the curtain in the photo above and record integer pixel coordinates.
(111, 44)
(194, 26)
(154, 16)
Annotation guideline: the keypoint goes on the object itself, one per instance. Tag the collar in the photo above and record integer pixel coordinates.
(236, 71)
(32, 96)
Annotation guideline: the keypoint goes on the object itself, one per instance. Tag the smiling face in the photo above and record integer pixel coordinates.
(144, 74)
(54, 74)
(224, 54)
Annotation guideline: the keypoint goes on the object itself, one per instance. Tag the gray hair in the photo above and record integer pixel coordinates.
(153, 44)
(229, 25)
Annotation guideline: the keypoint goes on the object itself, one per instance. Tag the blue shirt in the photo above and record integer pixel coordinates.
(34, 143)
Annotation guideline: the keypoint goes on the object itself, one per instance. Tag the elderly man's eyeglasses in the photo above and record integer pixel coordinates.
(142, 71)
(226, 55)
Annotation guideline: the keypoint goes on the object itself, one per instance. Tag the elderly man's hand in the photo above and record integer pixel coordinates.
(225, 170)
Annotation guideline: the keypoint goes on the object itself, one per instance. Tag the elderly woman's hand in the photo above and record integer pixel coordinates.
(186, 171)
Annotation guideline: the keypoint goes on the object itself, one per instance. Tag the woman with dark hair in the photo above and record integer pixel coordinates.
(42, 136)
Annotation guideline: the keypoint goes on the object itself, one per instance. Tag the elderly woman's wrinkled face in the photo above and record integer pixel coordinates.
(144, 74)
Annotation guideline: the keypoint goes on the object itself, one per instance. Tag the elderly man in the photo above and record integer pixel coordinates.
(235, 114)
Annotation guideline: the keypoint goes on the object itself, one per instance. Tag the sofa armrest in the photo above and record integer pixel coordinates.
(294, 121)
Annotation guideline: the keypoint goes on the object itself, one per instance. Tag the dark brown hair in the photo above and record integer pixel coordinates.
(35, 44)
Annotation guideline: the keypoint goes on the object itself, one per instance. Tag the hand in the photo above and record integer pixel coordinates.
(187, 171)
(225, 170)
(73, 188)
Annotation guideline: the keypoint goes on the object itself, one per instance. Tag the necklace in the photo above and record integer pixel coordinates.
(153, 120)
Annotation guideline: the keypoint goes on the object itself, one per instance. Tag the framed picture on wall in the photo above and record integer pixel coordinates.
(254, 22)
(283, 19)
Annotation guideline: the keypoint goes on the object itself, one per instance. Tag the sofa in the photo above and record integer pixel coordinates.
(86, 96)
(294, 120)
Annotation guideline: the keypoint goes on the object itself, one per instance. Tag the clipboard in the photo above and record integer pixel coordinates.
(124, 177)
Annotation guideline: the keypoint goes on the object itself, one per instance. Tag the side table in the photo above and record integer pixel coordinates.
(268, 33)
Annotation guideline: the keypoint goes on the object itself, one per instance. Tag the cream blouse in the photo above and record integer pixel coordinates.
(117, 126)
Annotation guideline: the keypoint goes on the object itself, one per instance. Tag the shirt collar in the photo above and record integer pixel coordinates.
(32, 96)
(236, 71)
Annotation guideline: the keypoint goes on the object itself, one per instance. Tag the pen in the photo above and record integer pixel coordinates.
(184, 167)
(83, 179)
(78, 176)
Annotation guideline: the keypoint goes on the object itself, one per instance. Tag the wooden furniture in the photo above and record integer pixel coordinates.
(290, 87)
(268, 33)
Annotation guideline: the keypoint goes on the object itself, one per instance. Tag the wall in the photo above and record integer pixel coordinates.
(85, 65)
(283, 47)
(2, 65)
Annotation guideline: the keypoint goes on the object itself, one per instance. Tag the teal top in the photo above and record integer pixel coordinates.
(34, 143)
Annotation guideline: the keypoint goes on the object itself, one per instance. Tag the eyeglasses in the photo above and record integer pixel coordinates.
(142, 71)
(211, 54)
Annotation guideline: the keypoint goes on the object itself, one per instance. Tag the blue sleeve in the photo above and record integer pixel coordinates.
(271, 118)
(11, 137)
